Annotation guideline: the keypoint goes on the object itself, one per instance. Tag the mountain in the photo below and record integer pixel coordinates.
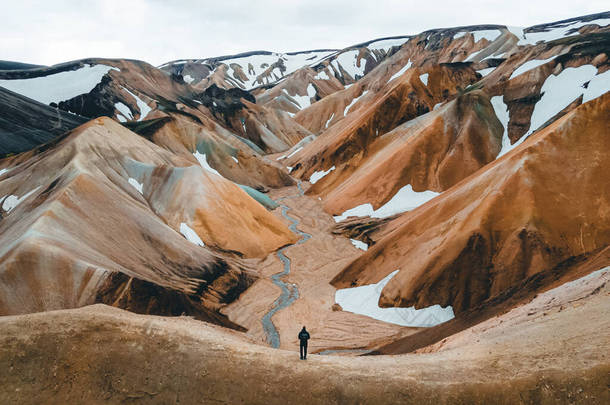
(102, 213)
(441, 196)
(26, 123)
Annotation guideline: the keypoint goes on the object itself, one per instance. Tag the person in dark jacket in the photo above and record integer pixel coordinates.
(303, 338)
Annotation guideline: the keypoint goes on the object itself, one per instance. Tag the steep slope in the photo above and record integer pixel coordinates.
(99, 214)
(245, 70)
(343, 68)
(25, 123)
(521, 215)
(515, 75)
(431, 152)
(133, 91)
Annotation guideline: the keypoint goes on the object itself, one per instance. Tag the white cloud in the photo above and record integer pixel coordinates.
(157, 31)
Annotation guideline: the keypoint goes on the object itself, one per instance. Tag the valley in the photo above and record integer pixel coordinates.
(433, 207)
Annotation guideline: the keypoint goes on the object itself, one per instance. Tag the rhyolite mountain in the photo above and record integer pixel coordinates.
(461, 171)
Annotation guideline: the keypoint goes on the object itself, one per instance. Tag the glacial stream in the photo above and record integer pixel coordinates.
(290, 292)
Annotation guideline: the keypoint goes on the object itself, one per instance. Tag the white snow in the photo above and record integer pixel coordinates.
(437, 105)
(303, 101)
(12, 201)
(485, 72)
(474, 55)
(188, 79)
(529, 65)
(598, 85)
(294, 152)
(190, 234)
(490, 35)
(322, 76)
(404, 200)
(501, 111)
(386, 44)
(329, 120)
(2, 171)
(459, 34)
(517, 31)
(364, 300)
(353, 102)
(204, 162)
(359, 244)
(316, 176)
(60, 86)
(260, 63)
(289, 169)
(136, 184)
(558, 91)
(556, 31)
(424, 78)
(142, 106)
(401, 71)
(347, 60)
(234, 159)
(124, 110)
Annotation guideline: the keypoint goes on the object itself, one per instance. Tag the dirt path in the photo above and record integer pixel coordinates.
(312, 266)
(290, 292)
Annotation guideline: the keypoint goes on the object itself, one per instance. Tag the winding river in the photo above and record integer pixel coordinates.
(290, 292)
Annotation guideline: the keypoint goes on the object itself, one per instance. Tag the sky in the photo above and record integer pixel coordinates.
(157, 31)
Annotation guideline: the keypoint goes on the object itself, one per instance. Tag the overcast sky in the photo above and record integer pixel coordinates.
(52, 31)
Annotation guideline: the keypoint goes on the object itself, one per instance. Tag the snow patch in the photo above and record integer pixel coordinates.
(559, 91)
(234, 159)
(501, 111)
(303, 101)
(401, 71)
(490, 35)
(364, 300)
(347, 60)
(329, 120)
(424, 78)
(316, 176)
(124, 110)
(387, 44)
(404, 200)
(204, 163)
(556, 31)
(529, 65)
(359, 244)
(59, 86)
(142, 106)
(188, 79)
(136, 184)
(190, 234)
(12, 201)
(354, 101)
(485, 72)
(294, 152)
(322, 76)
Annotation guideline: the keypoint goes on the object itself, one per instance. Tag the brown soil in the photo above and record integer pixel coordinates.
(314, 264)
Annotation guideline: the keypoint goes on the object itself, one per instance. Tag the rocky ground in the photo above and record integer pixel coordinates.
(98, 354)
(314, 264)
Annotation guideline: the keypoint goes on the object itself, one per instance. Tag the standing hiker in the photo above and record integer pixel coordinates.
(303, 337)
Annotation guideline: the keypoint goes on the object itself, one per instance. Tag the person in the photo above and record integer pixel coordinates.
(303, 338)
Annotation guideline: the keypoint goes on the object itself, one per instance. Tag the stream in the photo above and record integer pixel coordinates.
(290, 292)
